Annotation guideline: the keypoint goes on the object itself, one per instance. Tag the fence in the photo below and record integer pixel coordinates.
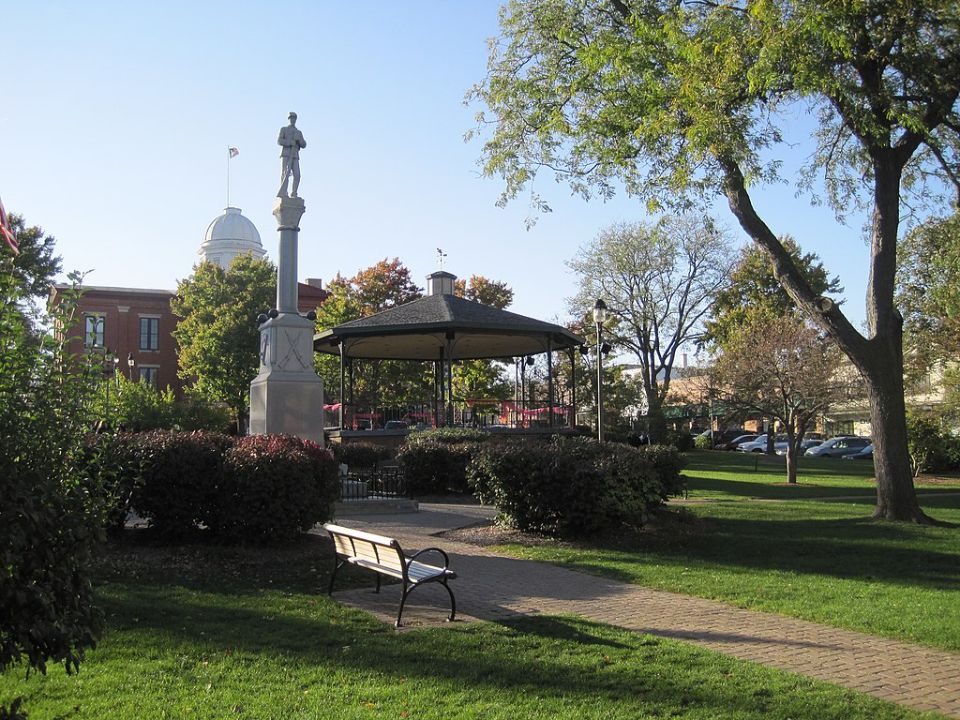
(382, 483)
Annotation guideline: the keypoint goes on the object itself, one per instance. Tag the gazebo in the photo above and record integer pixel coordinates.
(443, 328)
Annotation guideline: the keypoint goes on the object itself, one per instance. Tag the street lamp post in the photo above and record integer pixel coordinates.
(599, 318)
(130, 363)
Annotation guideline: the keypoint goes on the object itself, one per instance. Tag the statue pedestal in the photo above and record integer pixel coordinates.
(287, 395)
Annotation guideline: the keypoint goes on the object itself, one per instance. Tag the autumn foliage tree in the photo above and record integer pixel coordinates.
(783, 369)
(681, 101)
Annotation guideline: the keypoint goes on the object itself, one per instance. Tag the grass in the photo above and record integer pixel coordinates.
(823, 560)
(206, 632)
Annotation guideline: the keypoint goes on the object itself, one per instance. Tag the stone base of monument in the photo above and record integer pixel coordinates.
(287, 396)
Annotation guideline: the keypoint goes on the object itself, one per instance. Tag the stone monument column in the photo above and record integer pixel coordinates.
(287, 394)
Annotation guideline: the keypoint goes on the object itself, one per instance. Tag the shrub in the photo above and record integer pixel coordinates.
(50, 513)
(274, 488)
(435, 461)
(111, 465)
(568, 487)
(682, 441)
(703, 442)
(930, 448)
(179, 477)
(362, 455)
(668, 464)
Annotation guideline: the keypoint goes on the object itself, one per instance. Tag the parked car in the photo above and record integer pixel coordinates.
(719, 438)
(780, 448)
(839, 446)
(865, 454)
(758, 446)
(737, 441)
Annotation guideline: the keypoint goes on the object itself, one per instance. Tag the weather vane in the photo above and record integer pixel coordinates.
(440, 256)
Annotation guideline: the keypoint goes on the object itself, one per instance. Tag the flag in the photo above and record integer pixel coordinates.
(7, 231)
(233, 152)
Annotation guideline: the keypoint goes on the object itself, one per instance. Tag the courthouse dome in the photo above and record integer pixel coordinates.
(230, 235)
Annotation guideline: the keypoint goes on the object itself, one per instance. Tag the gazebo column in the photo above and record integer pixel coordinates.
(448, 352)
(550, 398)
(350, 377)
(573, 386)
(437, 389)
(343, 397)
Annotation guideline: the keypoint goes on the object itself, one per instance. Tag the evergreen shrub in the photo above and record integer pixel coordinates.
(274, 487)
(435, 461)
(360, 455)
(179, 478)
(569, 487)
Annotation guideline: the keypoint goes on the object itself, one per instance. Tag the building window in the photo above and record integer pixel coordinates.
(149, 333)
(148, 375)
(93, 331)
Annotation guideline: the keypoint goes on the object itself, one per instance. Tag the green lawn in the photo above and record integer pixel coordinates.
(206, 632)
(743, 540)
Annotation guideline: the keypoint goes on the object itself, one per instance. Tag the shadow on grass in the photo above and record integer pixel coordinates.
(743, 489)
(544, 658)
(768, 538)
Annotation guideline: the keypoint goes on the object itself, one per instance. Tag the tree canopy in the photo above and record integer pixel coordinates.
(217, 333)
(658, 281)
(753, 292)
(676, 101)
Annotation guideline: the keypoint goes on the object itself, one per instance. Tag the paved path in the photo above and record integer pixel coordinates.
(490, 587)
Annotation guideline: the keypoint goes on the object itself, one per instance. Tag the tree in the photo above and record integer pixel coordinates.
(680, 100)
(783, 369)
(928, 290)
(485, 291)
(482, 379)
(52, 513)
(753, 291)
(377, 288)
(659, 282)
(217, 333)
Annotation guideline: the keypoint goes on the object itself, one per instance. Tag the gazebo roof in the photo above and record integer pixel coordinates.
(446, 326)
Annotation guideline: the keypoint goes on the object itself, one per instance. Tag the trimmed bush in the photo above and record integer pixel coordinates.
(179, 477)
(668, 463)
(274, 488)
(360, 455)
(112, 467)
(435, 461)
(569, 487)
(703, 442)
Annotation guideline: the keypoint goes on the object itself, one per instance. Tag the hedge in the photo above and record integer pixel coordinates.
(435, 461)
(573, 486)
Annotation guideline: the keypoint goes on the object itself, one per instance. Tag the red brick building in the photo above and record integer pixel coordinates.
(133, 325)
(136, 324)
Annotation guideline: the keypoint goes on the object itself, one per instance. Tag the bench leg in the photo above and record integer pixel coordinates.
(403, 599)
(378, 583)
(337, 563)
(453, 601)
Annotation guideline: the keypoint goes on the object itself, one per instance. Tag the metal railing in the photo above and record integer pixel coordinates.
(380, 483)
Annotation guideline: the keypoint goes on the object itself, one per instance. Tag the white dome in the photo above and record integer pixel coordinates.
(230, 235)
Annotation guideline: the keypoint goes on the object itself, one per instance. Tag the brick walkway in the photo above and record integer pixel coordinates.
(492, 586)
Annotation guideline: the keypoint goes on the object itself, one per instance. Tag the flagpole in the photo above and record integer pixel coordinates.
(228, 176)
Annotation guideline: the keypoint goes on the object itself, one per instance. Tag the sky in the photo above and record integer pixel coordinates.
(117, 116)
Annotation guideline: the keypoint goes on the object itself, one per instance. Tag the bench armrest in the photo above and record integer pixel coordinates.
(446, 558)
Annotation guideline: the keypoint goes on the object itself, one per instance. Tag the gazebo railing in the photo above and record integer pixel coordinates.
(507, 414)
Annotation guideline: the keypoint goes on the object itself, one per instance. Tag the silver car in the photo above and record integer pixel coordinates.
(838, 447)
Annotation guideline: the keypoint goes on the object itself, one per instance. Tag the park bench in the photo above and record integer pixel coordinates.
(384, 556)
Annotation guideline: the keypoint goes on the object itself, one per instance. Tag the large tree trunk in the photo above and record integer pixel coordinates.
(656, 422)
(879, 358)
(896, 495)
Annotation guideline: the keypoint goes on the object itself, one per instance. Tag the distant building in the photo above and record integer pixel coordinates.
(131, 324)
(135, 325)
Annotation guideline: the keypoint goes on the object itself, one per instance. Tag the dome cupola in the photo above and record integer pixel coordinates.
(230, 235)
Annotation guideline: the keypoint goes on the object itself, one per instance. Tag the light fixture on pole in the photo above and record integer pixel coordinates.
(130, 363)
(599, 318)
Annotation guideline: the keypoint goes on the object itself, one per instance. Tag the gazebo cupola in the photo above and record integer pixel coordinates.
(440, 283)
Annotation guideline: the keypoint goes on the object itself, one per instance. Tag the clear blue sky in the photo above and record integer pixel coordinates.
(117, 115)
